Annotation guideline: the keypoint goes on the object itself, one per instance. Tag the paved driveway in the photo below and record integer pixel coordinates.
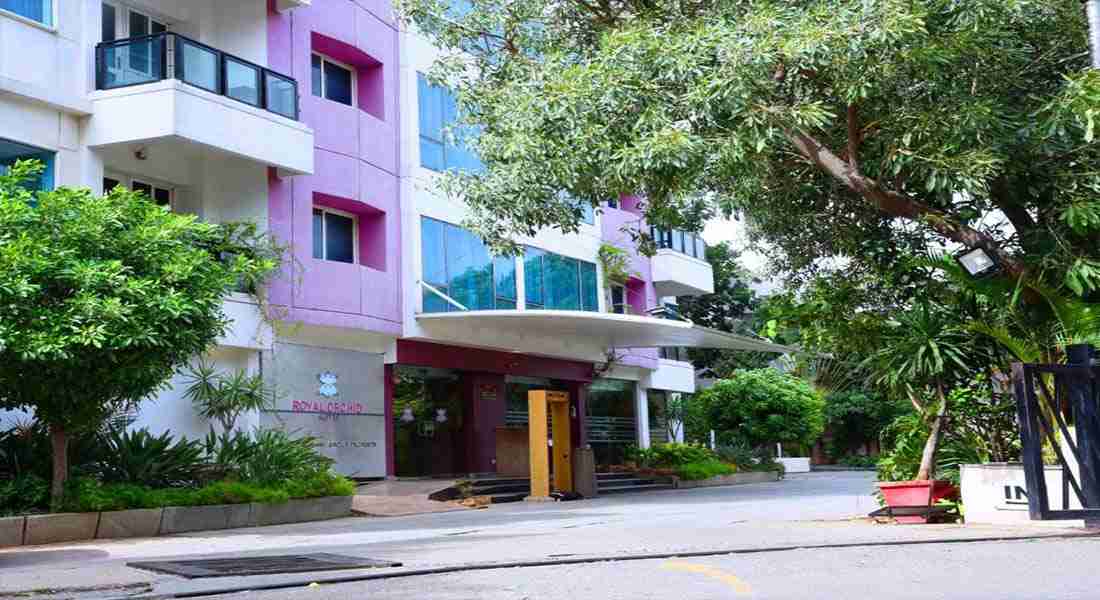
(803, 510)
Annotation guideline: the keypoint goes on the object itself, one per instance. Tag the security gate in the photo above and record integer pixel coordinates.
(1058, 405)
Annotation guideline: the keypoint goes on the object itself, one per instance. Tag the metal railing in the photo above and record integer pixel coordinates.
(684, 242)
(150, 58)
(611, 430)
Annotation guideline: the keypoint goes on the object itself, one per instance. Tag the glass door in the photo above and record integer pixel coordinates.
(137, 61)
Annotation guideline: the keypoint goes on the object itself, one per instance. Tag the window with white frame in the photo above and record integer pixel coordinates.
(40, 11)
(333, 80)
(335, 235)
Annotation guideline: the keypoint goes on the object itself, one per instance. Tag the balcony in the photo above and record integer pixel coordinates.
(167, 86)
(680, 267)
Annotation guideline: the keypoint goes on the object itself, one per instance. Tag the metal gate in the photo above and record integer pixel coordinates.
(1058, 405)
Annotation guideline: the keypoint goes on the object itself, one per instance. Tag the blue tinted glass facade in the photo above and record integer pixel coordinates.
(457, 263)
(35, 10)
(437, 111)
(558, 282)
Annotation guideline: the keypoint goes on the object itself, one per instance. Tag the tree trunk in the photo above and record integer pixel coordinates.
(928, 458)
(59, 442)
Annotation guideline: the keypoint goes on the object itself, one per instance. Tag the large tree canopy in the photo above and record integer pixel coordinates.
(855, 128)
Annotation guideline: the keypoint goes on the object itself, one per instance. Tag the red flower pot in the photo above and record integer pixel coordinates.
(909, 494)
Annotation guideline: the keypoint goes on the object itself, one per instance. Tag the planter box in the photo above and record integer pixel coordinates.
(914, 494)
(735, 479)
(11, 531)
(997, 492)
(795, 464)
(142, 522)
(60, 527)
(301, 510)
(182, 519)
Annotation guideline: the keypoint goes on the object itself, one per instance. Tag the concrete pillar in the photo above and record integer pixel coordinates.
(641, 415)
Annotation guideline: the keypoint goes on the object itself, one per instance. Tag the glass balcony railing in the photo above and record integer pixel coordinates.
(684, 242)
(150, 58)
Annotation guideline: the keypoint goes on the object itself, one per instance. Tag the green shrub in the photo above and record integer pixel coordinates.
(23, 494)
(676, 454)
(138, 457)
(704, 469)
(268, 457)
(856, 460)
(760, 407)
(737, 453)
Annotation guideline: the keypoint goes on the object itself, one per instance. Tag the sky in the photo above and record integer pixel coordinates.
(727, 230)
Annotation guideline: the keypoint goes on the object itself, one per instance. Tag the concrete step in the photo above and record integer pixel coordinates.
(626, 489)
(492, 482)
(510, 497)
(613, 476)
(626, 482)
(501, 489)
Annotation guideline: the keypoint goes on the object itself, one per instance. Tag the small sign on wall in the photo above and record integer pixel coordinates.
(336, 396)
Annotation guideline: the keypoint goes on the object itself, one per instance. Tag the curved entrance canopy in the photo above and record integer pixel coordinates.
(608, 330)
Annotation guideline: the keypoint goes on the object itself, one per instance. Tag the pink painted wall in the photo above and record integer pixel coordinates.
(641, 295)
(356, 166)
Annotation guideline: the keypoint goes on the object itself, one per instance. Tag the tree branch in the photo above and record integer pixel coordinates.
(900, 205)
(855, 137)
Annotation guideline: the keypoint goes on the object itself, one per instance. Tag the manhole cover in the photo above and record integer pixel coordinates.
(260, 565)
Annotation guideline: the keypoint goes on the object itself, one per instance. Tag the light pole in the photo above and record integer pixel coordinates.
(1092, 13)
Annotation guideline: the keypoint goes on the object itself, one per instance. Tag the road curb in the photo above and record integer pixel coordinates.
(562, 561)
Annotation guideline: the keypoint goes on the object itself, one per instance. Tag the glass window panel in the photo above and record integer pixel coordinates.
(155, 27)
(199, 66)
(317, 85)
(430, 109)
(469, 268)
(242, 82)
(37, 10)
(339, 238)
(337, 83)
(590, 294)
(678, 241)
(144, 188)
(504, 277)
(533, 276)
(503, 304)
(132, 62)
(431, 154)
(108, 30)
(588, 214)
(139, 24)
(563, 284)
(431, 252)
(318, 234)
(434, 304)
(109, 184)
(618, 299)
(162, 197)
(282, 97)
(700, 247)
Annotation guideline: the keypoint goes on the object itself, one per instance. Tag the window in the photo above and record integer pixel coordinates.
(333, 81)
(35, 10)
(557, 282)
(162, 196)
(437, 111)
(618, 300)
(675, 353)
(335, 235)
(14, 151)
(457, 263)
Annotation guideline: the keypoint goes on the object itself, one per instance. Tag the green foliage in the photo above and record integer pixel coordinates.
(24, 493)
(738, 453)
(760, 407)
(102, 298)
(905, 438)
(695, 471)
(822, 122)
(140, 458)
(857, 460)
(856, 417)
(224, 397)
(268, 457)
(616, 264)
(671, 455)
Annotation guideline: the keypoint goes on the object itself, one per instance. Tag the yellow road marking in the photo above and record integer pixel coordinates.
(729, 579)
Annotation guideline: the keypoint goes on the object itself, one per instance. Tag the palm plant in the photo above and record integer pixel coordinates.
(225, 397)
(924, 350)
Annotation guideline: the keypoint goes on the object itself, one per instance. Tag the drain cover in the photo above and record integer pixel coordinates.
(260, 565)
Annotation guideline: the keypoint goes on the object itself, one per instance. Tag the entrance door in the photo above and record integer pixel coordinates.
(428, 423)
(138, 61)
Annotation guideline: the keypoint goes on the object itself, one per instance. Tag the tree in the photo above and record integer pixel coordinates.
(102, 298)
(730, 308)
(224, 397)
(759, 407)
(856, 128)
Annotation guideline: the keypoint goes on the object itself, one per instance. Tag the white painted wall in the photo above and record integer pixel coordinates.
(420, 198)
(677, 274)
(672, 376)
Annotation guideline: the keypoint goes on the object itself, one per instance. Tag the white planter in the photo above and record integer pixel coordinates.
(997, 492)
(795, 464)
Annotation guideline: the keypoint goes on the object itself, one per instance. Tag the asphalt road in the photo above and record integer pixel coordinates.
(797, 538)
(1016, 570)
